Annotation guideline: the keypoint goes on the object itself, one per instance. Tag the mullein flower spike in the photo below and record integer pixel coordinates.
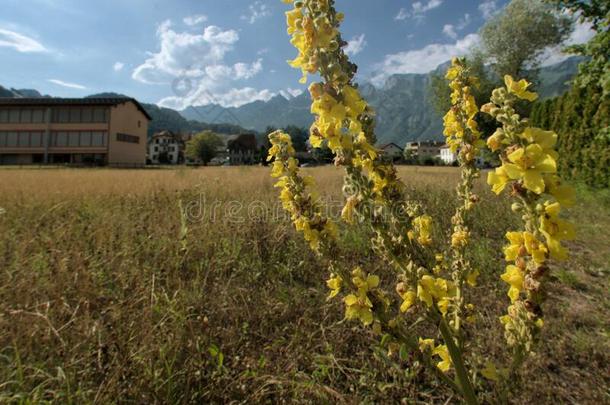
(529, 167)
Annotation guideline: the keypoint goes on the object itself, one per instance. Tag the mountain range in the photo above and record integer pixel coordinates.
(403, 104)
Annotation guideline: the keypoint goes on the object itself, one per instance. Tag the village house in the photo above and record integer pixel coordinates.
(235, 150)
(391, 151)
(242, 149)
(424, 148)
(447, 155)
(166, 148)
(79, 131)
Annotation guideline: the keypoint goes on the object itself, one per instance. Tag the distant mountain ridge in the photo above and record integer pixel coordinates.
(403, 105)
(404, 108)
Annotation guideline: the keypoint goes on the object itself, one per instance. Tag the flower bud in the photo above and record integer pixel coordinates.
(516, 207)
(401, 288)
(530, 284)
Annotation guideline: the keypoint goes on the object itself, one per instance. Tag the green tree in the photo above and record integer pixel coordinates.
(441, 93)
(581, 117)
(515, 39)
(299, 137)
(595, 71)
(203, 146)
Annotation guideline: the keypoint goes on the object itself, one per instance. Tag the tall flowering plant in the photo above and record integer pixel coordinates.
(430, 279)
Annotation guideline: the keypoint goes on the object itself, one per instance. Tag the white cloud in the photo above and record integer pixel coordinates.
(67, 84)
(418, 9)
(422, 60)
(19, 42)
(582, 33)
(257, 10)
(184, 54)
(355, 45)
(403, 14)
(449, 30)
(488, 8)
(195, 19)
(422, 7)
(233, 97)
(194, 67)
(463, 22)
(118, 66)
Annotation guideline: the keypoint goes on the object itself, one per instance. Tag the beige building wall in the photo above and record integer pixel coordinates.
(127, 119)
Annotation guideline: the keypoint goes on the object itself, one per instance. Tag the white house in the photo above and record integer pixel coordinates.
(166, 148)
(447, 155)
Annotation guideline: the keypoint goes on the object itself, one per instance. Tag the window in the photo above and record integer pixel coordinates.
(11, 139)
(3, 116)
(98, 139)
(13, 116)
(26, 116)
(99, 115)
(36, 139)
(139, 124)
(2, 139)
(73, 138)
(23, 139)
(85, 138)
(38, 116)
(87, 115)
(127, 138)
(61, 139)
(75, 115)
(61, 115)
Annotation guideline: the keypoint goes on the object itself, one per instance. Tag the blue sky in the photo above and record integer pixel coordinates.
(192, 52)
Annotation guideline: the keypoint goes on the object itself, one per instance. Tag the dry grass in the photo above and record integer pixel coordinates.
(105, 298)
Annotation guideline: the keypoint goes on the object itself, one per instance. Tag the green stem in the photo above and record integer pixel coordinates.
(460, 370)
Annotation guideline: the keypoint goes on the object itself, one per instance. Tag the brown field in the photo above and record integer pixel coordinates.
(105, 297)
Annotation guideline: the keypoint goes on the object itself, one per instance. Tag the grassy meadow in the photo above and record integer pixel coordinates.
(187, 286)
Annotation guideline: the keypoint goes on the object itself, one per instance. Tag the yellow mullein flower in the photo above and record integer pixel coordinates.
(546, 139)
(564, 194)
(430, 288)
(529, 164)
(514, 277)
(472, 277)
(498, 179)
(555, 230)
(514, 250)
(334, 283)
(519, 88)
(277, 169)
(494, 142)
(490, 372)
(408, 299)
(535, 248)
(359, 308)
(422, 226)
(459, 239)
(425, 344)
(445, 364)
(347, 214)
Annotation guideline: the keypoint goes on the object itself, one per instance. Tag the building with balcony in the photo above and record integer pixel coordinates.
(84, 131)
(166, 148)
(424, 148)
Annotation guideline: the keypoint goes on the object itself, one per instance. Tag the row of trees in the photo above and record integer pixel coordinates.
(513, 42)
